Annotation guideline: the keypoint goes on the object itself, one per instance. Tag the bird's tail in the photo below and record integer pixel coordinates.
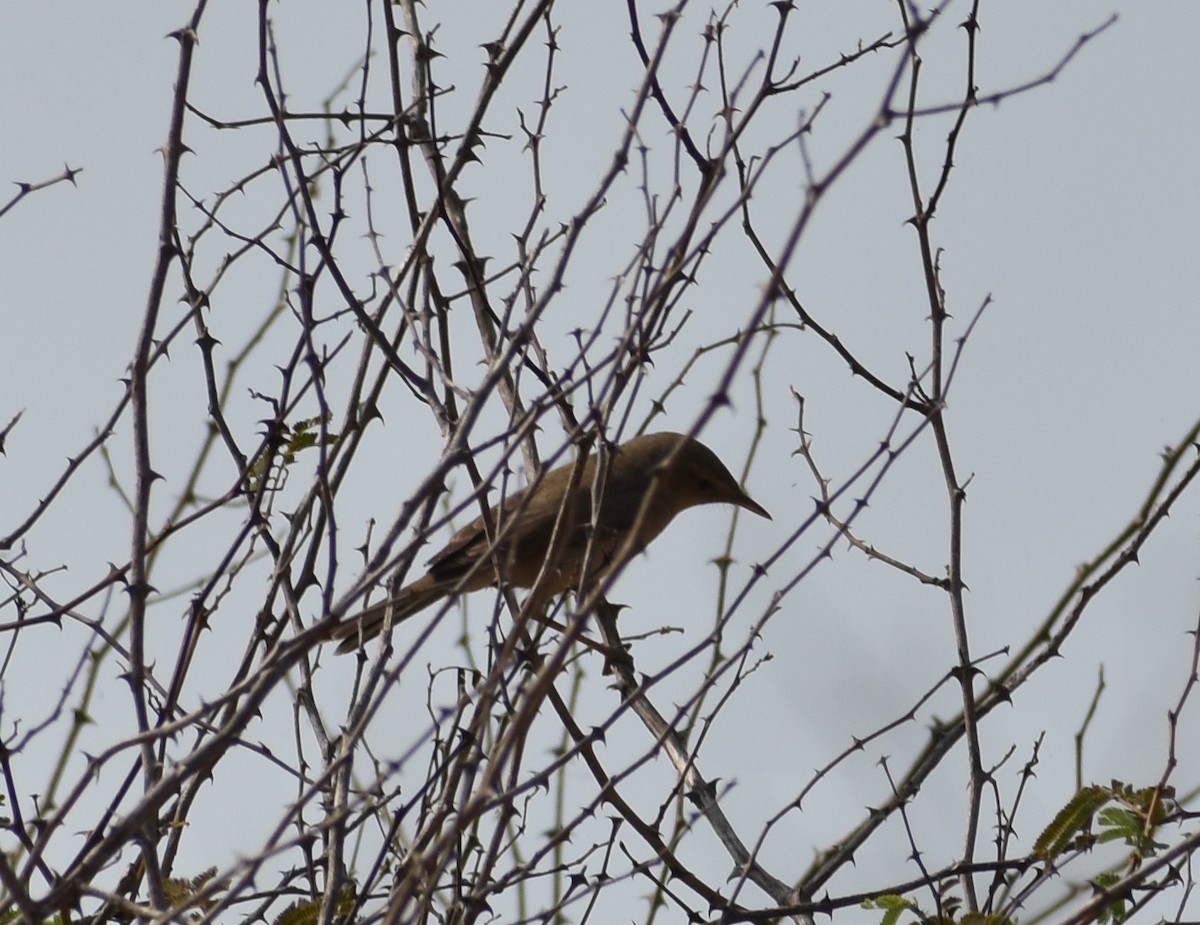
(408, 601)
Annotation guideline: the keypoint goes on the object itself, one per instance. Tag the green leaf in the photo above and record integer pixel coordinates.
(181, 892)
(1116, 911)
(892, 905)
(301, 912)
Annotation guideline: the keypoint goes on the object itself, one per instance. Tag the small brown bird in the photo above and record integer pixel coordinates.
(688, 474)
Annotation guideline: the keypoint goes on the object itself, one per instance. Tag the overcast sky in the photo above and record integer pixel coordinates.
(1074, 207)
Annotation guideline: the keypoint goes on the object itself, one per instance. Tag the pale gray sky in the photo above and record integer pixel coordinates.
(1075, 207)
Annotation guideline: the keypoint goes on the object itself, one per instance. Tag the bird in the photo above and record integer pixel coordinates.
(649, 480)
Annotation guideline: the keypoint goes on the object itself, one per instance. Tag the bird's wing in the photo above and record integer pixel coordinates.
(523, 546)
(526, 541)
(463, 549)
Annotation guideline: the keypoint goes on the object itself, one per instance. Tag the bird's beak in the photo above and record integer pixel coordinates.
(751, 505)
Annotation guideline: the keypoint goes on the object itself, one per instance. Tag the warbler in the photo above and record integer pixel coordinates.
(649, 480)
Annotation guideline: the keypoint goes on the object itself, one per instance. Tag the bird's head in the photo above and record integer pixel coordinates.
(694, 475)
